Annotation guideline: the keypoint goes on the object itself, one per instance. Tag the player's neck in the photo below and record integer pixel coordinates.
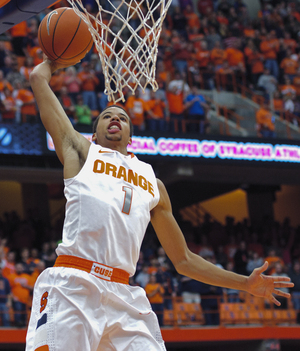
(117, 147)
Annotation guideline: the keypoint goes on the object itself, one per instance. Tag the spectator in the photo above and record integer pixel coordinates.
(254, 261)
(197, 108)
(224, 7)
(272, 258)
(137, 108)
(18, 34)
(288, 90)
(5, 299)
(190, 290)
(72, 83)
(155, 294)
(9, 264)
(27, 68)
(256, 63)
(67, 103)
(290, 65)
(25, 99)
(25, 260)
(204, 6)
(218, 56)
(241, 259)
(164, 277)
(4, 83)
(236, 58)
(143, 277)
(21, 285)
(175, 97)
(89, 82)
(158, 113)
(294, 274)
(265, 121)
(212, 38)
(57, 81)
(8, 110)
(82, 113)
(267, 83)
(270, 48)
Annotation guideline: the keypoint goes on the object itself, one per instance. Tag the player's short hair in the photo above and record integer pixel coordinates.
(120, 107)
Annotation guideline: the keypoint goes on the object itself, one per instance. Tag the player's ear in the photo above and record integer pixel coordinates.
(130, 141)
(94, 138)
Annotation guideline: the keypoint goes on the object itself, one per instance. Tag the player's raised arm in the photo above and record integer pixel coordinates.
(53, 116)
(195, 267)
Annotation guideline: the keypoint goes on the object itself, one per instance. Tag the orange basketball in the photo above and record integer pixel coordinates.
(64, 37)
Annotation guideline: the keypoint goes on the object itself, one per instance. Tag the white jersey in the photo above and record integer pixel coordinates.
(108, 208)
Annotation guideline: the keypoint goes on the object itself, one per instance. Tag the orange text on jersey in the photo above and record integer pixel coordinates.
(121, 172)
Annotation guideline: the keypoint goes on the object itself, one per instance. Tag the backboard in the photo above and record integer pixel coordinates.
(17, 11)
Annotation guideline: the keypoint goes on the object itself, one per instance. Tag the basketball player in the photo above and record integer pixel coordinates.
(84, 303)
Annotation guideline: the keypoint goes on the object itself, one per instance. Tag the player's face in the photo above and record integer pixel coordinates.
(113, 126)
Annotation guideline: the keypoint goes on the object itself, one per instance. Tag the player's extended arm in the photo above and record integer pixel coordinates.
(195, 267)
(69, 144)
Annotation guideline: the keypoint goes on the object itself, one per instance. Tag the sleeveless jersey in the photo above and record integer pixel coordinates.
(108, 208)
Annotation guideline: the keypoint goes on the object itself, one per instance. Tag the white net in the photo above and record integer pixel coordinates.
(126, 35)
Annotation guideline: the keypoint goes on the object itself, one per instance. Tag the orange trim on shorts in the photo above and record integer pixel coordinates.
(42, 348)
(99, 270)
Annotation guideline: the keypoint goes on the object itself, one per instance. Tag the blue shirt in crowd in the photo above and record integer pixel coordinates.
(196, 108)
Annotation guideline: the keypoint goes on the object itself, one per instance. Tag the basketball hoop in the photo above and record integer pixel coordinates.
(126, 34)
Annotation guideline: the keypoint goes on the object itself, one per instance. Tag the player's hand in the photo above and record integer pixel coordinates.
(266, 286)
(56, 65)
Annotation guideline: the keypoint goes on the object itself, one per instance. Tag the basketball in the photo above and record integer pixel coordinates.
(64, 37)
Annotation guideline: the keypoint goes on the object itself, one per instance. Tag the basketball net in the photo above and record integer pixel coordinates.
(126, 35)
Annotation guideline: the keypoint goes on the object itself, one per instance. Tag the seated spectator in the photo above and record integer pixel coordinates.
(155, 294)
(82, 113)
(5, 299)
(290, 65)
(265, 121)
(197, 108)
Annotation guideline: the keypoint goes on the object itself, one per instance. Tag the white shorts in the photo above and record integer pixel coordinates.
(74, 310)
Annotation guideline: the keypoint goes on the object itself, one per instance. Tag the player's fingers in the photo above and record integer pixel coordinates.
(262, 269)
(275, 301)
(281, 279)
(283, 285)
(281, 293)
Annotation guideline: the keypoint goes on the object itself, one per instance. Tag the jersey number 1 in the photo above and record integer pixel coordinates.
(127, 199)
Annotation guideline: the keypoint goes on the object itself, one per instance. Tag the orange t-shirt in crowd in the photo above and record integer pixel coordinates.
(249, 33)
(264, 118)
(235, 57)
(159, 296)
(8, 269)
(256, 62)
(57, 81)
(26, 96)
(5, 84)
(37, 54)
(289, 66)
(18, 291)
(296, 84)
(138, 107)
(203, 58)
(218, 56)
(88, 81)
(193, 20)
(175, 102)
(269, 48)
(157, 107)
(291, 44)
(19, 30)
